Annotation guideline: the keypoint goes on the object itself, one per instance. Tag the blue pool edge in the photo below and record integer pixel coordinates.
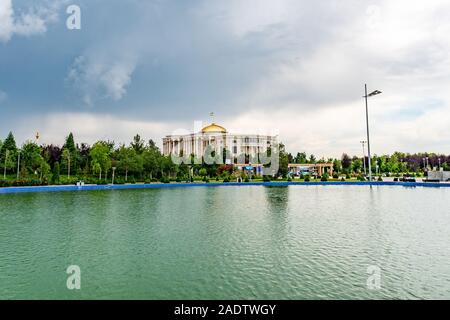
(214, 184)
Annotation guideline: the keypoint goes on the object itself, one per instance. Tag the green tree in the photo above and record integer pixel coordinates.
(138, 144)
(151, 158)
(70, 154)
(284, 161)
(129, 160)
(301, 157)
(100, 155)
(55, 174)
(70, 143)
(96, 167)
(66, 155)
(8, 153)
(7, 163)
(44, 169)
(346, 163)
(167, 166)
(337, 165)
(357, 165)
(31, 157)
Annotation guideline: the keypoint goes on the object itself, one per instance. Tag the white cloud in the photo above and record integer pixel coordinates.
(99, 78)
(6, 20)
(32, 22)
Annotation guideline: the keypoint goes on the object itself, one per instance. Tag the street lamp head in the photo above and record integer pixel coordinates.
(376, 92)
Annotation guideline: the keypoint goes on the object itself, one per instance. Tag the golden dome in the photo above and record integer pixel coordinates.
(214, 128)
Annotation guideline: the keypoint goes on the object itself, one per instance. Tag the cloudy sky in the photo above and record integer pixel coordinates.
(288, 66)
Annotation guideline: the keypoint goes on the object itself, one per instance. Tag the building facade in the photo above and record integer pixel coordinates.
(243, 148)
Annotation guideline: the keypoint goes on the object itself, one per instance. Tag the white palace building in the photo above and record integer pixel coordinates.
(243, 147)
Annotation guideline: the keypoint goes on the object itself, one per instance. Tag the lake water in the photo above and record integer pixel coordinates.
(247, 242)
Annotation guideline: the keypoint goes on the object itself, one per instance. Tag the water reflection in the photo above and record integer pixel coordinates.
(277, 199)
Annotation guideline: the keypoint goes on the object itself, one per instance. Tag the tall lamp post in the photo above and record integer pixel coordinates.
(364, 156)
(374, 93)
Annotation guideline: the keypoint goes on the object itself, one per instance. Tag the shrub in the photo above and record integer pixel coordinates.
(206, 180)
(361, 178)
(203, 172)
(343, 179)
(18, 183)
(5, 183)
(380, 179)
(246, 179)
(324, 177)
(119, 180)
(165, 180)
(307, 178)
(44, 181)
(289, 179)
(26, 183)
(347, 176)
(226, 180)
(335, 176)
(266, 178)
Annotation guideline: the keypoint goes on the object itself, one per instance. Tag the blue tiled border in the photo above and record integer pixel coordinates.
(213, 184)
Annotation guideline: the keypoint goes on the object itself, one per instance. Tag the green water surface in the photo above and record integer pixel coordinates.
(247, 242)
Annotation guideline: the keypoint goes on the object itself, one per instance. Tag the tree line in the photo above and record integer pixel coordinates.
(141, 160)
